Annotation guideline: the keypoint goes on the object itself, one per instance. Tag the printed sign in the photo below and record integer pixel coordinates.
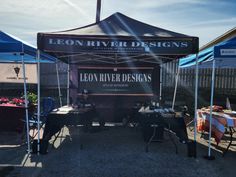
(228, 52)
(13, 73)
(225, 51)
(116, 80)
(158, 46)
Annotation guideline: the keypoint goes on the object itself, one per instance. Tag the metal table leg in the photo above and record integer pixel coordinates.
(172, 140)
(153, 135)
(231, 132)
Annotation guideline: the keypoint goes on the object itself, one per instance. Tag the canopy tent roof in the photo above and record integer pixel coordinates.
(12, 49)
(120, 25)
(206, 57)
(115, 40)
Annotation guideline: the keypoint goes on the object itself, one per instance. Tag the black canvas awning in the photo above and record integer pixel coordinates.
(115, 40)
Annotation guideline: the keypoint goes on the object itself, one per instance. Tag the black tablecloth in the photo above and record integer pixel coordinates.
(11, 117)
(56, 120)
(175, 124)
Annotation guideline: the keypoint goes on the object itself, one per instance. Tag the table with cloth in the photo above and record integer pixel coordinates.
(66, 116)
(220, 121)
(154, 124)
(11, 116)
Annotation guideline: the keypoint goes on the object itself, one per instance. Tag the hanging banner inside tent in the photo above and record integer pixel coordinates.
(117, 80)
(13, 73)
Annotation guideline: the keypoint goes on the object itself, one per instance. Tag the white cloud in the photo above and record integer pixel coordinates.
(161, 3)
(24, 18)
(78, 8)
(214, 23)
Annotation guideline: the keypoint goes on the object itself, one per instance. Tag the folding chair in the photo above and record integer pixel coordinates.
(48, 104)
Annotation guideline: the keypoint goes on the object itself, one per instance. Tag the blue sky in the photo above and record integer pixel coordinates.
(206, 19)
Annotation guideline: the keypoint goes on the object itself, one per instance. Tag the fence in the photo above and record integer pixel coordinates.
(225, 80)
(225, 84)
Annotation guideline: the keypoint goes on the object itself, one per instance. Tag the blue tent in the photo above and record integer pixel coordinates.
(12, 49)
(221, 55)
(15, 50)
(206, 57)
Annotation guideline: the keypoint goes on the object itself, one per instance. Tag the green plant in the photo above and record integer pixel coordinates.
(32, 98)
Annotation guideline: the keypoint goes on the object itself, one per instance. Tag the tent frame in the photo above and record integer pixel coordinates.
(212, 59)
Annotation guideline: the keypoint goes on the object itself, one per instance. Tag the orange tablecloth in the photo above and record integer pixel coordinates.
(220, 120)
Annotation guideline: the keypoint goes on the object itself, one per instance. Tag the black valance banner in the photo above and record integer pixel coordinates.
(159, 46)
(117, 80)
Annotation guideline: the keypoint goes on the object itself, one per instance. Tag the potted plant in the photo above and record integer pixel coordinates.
(32, 98)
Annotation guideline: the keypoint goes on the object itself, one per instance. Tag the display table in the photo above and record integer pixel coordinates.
(154, 124)
(66, 116)
(11, 117)
(220, 121)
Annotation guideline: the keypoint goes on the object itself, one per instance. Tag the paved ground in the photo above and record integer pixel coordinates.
(116, 152)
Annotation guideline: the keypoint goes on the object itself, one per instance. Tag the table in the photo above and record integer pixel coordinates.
(152, 122)
(220, 121)
(65, 115)
(11, 117)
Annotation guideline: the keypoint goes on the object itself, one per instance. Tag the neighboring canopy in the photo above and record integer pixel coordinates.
(115, 40)
(15, 50)
(12, 49)
(212, 57)
(206, 57)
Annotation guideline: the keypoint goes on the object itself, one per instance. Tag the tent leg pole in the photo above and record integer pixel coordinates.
(176, 85)
(58, 84)
(196, 99)
(26, 108)
(160, 97)
(195, 106)
(68, 83)
(26, 104)
(209, 156)
(38, 110)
